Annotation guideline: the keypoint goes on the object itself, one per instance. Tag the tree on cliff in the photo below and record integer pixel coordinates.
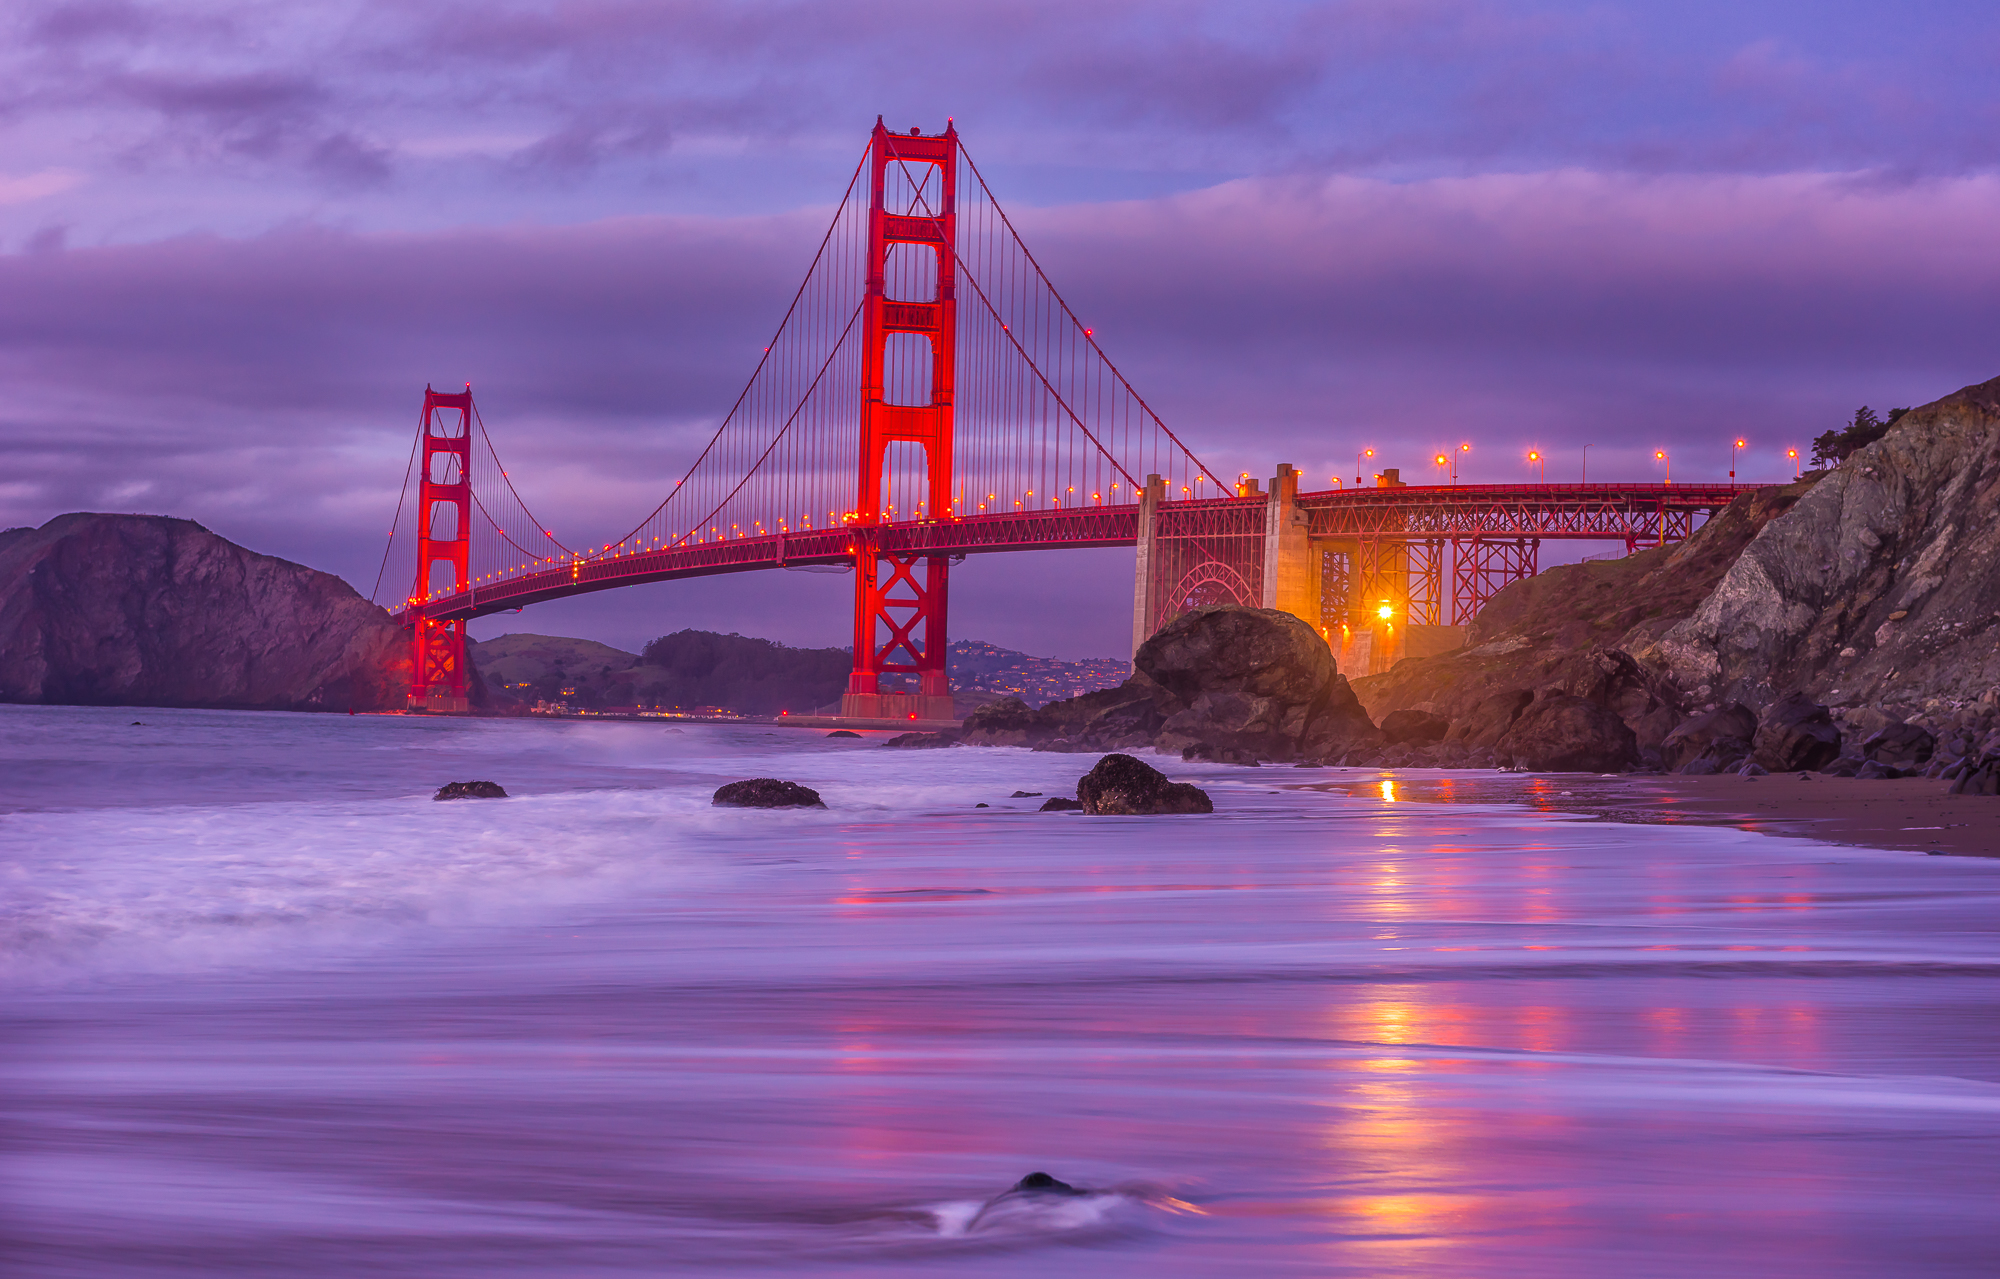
(1864, 429)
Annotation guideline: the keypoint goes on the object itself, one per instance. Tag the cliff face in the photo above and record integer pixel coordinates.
(1526, 635)
(1880, 588)
(144, 610)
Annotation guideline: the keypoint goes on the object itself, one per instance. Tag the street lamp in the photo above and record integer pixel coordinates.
(1793, 455)
(1542, 468)
(1357, 464)
(1734, 445)
(1660, 455)
(1585, 477)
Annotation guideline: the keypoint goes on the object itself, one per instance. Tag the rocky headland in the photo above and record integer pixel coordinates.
(1845, 623)
(144, 610)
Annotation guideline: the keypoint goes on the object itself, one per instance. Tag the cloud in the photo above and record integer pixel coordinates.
(27, 187)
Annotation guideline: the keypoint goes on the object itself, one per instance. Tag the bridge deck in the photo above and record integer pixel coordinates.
(1619, 512)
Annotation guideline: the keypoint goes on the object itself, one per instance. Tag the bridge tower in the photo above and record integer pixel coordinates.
(900, 600)
(444, 536)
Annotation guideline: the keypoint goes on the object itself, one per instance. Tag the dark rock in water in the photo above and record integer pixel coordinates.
(1722, 736)
(1561, 733)
(136, 724)
(767, 792)
(1040, 1183)
(1059, 805)
(1490, 718)
(1797, 732)
(1903, 745)
(1219, 754)
(1409, 727)
(982, 805)
(921, 741)
(1007, 722)
(1026, 794)
(126, 610)
(470, 790)
(1121, 785)
(843, 732)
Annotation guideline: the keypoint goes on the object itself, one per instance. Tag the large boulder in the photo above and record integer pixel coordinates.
(1797, 733)
(1123, 786)
(766, 792)
(1417, 728)
(1712, 741)
(471, 790)
(921, 741)
(1490, 718)
(1900, 745)
(1561, 733)
(1226, 682)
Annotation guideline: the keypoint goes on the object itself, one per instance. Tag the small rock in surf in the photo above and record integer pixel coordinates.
(1060, 805)
(843, 732)
(470, 790)
(767, 792)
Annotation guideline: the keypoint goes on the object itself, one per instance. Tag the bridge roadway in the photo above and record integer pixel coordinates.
(1637, 514)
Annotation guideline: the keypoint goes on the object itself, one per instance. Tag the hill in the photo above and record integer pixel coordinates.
(145, 610)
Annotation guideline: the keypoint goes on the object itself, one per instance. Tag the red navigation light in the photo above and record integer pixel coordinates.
(913, 714)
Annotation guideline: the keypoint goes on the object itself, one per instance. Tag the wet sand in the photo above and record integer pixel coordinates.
(1913, 814)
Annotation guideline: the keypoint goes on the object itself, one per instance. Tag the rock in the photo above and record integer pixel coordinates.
(1007, 722)
(1751, 768)
(1903, 526)
(1121, 785)
(921, 741)
(1026, 794)
(1845, 766)
(1903, 745)
(843, 732)
(1218, 754)
(1876, 770)
(1026, 1205)
(1981, 777)
(1042, 1184)
(1490, 718)
(1720, 738)
(1415, 727)
(1058, 804)
(470, 790)
(1796, 733)
(1256, 682)
(982, 805)
(1561, 733)
(767, 792)
(143, 610)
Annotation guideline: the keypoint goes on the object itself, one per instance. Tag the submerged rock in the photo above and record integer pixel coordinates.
(1123, 786)
(766, 792)
(843, 732)
(1059, 804)
(470, 790)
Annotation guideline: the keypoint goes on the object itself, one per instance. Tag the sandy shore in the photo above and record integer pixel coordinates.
(1911, 814)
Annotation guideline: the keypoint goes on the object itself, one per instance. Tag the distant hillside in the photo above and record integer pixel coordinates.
(754, 676)
(144, 610)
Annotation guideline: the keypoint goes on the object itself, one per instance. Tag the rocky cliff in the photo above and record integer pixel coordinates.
(143, 610)
(1878, 590)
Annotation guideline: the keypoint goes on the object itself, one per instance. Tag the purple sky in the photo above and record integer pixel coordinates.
(236, 241)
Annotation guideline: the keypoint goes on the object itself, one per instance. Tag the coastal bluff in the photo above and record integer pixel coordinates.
(147, 610)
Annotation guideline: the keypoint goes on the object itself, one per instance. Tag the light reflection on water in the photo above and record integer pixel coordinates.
(605, 1029)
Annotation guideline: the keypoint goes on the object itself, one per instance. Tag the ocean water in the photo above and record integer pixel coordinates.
(270, 1010)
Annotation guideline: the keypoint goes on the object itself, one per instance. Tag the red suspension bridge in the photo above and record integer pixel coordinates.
(929, 395)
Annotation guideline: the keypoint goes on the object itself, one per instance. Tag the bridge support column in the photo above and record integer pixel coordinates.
(1145, 604)
(1291, 569)
(444, 539)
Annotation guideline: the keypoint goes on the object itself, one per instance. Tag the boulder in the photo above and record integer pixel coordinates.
(1490, 718)
(1720, 738)
(1121, 785)
(1903, 745)
(1414, 727)
(1561, 733)
(1979, 777)
(843, 732)
(1218, 754)
(1796, 733)
(470, 790)
(1059, 804)
(1026, 794)
(921, 741)
(1007, 722)
(767, 792)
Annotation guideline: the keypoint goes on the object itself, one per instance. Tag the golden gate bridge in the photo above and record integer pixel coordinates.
(929, 395)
